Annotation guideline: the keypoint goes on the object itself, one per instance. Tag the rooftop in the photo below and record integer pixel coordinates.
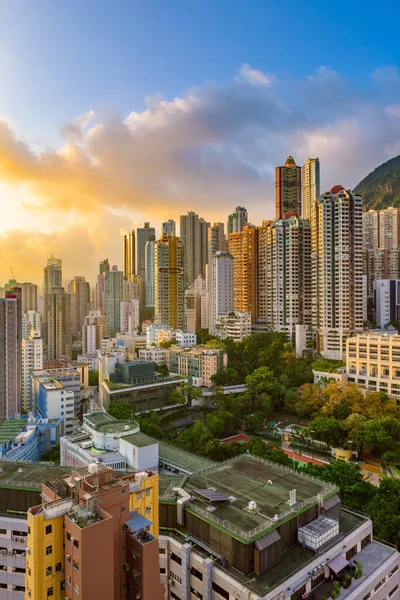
(140, 440)
(182, 458)
(29, 475)
(250, 479)
(102, 421)
(10, 428)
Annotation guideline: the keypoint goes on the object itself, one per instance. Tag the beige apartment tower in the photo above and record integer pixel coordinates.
(169, 287)
(310, 179)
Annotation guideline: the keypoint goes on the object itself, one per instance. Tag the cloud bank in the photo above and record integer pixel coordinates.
(209, 150)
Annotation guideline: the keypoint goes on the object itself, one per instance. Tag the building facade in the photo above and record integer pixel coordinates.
(52, 274)
(94, 330)
(130, 255)
(193, 234)
(288, 188)
(114, 288)
(221, 292)
(237, 220)
(169, 287)
(10, 356)
(32, 359)
(79, 290)
(288, 277)
(143, 235)
(310, 178)
(57, 323)
(337, 270)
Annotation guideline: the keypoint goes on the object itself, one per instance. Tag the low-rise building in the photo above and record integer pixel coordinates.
(29, 438)
(197, 364)
(185, 339)
(155, 334)
(154, 354)
(250, 529)
(235, 325)
(138, 383)
(51, 400)
(91, 360)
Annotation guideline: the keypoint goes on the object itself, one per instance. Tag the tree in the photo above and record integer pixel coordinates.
(310, 401)
(225, 377)
(187, 394)
(93, 378)
(328, 430)
(261, 383)
(162, 369)
(355, 430)
(220, 424)
(53, 455)
(125, 410)
(167, 343)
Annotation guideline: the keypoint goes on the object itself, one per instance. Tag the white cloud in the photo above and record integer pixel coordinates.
(253, 76)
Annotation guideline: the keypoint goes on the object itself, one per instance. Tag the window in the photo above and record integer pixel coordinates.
(350, 553)
(196, 593)
(58, 567)
(367, 596)
(393, 571)
(29, 530)
(68, 557)
(50, 592)
(62, 586)
(49, 550)
(148, 510)
(49, 529)
(174, 596)
(49, 571)
(123, 491)
(393, 591)
(138, 495)
(123, 547)
(123, 509)
(75, 564)
(67, 533)
(162, 570)
(380, 584)
(148, 492)
(219, 590)
(69, 579)
(3, 531)
(76, 587)
(176, 558)
(196, 573)
(123, 528)
(76, 543)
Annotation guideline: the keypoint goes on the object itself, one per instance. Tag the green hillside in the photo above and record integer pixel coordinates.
(381, 188)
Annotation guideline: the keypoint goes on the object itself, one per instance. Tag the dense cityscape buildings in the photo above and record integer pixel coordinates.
(158, 521)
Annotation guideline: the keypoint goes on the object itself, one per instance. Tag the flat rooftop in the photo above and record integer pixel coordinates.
(10, 428)
(102, 421)
(140, 440)
(183, 459)
(29, 475)
(245, 479)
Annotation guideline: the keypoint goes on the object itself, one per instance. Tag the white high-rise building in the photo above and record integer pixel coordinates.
(288, 278)
(129, 316)
(35, 321)
(149, 264)
(32, 358)
(94, 330)
(337, 264)
(221, 291)
(193, 304)
(310, 178)
(386, 301)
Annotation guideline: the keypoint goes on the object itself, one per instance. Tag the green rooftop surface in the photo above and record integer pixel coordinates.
(102, 421)
(140, 440)
(181, 458)
(166, 483)
(10, 428)
(29, 475)
(245, 478)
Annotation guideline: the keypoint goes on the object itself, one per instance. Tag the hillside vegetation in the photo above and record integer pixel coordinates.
(381, 188)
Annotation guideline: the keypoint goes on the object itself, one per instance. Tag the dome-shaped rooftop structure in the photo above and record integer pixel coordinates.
(336, 189)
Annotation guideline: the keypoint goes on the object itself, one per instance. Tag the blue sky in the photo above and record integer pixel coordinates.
(63, 58)
(115, 112)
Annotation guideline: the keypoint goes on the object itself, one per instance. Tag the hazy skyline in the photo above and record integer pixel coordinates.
(117, 117)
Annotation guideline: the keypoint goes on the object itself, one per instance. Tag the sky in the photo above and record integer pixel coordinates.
(114, 112)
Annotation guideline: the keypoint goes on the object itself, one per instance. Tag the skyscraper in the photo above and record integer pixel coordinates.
(57, 323)
(114, 288)
(288, 188)
(194, 243)
(310, 178)
(243, 247)
(29, 296)
(169, 288)
(129, 319)
(52, 274)
(337, 270)
(288, 283)
(196, 300)
(10, 355)
(129, 254)
(169, 228)
(221, 289)
(144, 234)
(149, 268)
(216, 240)
(237, 220)
(32, 358)
(79, 290)
(104, 267)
